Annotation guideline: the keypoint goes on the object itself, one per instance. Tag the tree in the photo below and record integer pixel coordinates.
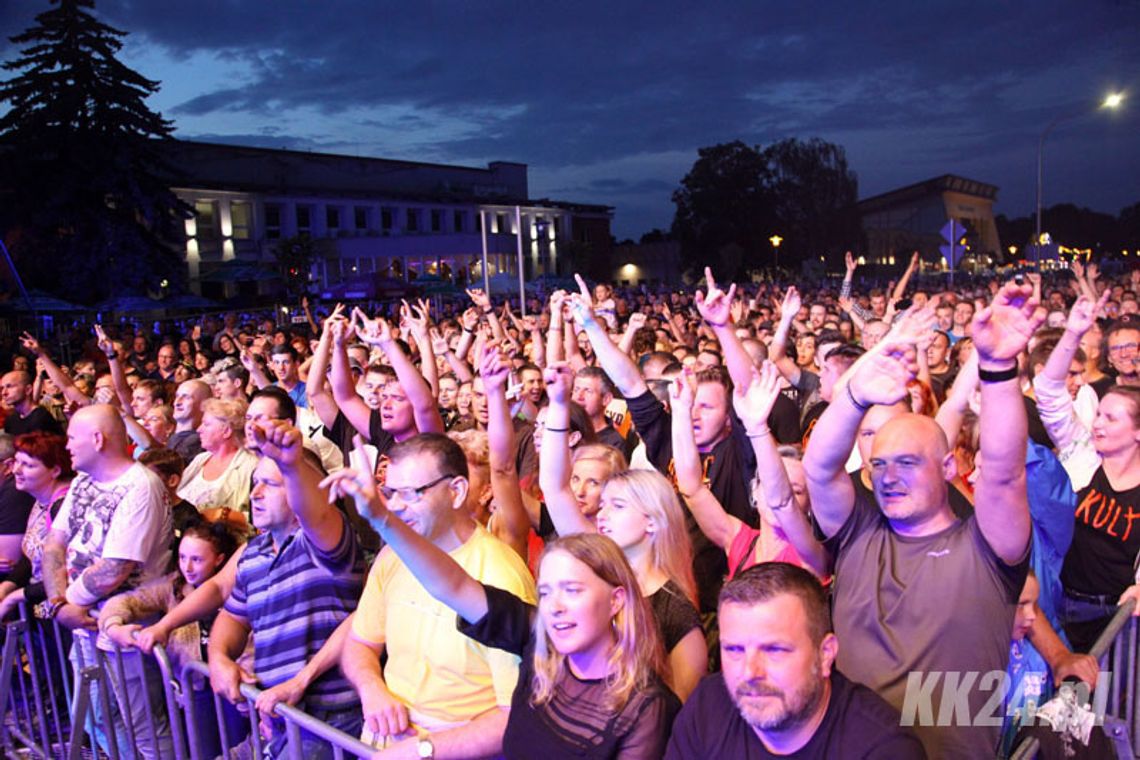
(88, 204)
(736, 197)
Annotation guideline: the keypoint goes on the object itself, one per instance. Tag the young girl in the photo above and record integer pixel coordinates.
(590, 682)
(638, 509)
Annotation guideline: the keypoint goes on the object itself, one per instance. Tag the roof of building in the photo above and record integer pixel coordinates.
(929, 187)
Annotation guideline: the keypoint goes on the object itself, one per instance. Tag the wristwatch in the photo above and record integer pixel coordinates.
(425, 749)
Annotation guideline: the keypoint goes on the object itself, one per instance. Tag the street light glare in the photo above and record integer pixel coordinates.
(1113, 100)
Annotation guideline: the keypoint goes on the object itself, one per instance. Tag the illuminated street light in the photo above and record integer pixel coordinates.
(1111, 102)
(775, 240)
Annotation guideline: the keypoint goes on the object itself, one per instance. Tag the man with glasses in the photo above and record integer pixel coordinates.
(459, 709)
(1123, 339)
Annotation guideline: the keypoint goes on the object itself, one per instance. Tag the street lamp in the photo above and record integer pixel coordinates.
(775, 240)
(1111, 102)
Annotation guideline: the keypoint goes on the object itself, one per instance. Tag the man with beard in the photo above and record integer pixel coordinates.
(778, 693)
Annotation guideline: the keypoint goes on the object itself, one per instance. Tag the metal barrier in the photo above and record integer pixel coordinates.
(99, 704)
(1116, 649)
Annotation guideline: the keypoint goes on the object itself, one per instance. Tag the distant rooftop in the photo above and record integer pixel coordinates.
(926, 188)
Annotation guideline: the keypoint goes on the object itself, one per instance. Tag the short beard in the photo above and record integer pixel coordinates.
(797, 707)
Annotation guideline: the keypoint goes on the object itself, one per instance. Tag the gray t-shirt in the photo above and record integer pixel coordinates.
(920, 610)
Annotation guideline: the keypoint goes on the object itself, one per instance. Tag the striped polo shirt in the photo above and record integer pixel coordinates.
(293, 600)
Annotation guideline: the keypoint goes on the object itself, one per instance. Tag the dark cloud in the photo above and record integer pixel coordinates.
(912, 90)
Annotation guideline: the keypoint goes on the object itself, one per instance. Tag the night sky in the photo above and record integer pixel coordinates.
(609, 101)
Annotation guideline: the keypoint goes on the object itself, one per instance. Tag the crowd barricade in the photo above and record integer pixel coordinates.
(66, 700)
(1115, 649)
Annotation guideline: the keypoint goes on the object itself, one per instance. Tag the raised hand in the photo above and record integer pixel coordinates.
(716, 307)
(247, 359)
(439, 345)
(528, 324)
(584, 290)
(28, 341)
(374, 332)
(582, 310)
(637, 320)
(754, 403)
(791, 304)
(481, 300)
(415, 318)
(882, 377)
(1084, 311)
(494, 371)
(1078, 268)
(104, 342)
(915, 325)
(851, 262)
(559, 379)
(1002, 330)
(681, 393)
(279, 441)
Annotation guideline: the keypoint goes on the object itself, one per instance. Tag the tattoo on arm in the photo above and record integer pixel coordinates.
(55, 568)
(106, 575)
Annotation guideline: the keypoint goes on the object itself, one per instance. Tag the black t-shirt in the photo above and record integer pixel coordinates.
(1101, 386)
(858, 724)
(575, 723)
(1106, 539)
(342, 431)
(38, 419)
(1037, 431)
(784, 421)
(675, 614)
(611, 437)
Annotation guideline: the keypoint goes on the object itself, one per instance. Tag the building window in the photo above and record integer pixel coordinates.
(479, 222)
(436, 220)
(386, 219)
(332, 218)
(304, 220)
(412, 223)
(557, 227)
(272, 221)
(459, 220)
(504, 227)
(241, 220)
(360, 217)
(209, 229)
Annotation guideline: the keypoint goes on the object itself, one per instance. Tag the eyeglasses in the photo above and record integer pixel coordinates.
(1123, 348)
(413, 494)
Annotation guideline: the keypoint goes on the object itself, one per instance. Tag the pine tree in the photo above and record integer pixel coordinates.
(88, 208)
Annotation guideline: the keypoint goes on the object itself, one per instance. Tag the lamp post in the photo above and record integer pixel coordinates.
(1111, 102)
(775, 240)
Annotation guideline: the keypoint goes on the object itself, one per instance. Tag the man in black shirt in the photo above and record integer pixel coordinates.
(779, 694)
(26, 416)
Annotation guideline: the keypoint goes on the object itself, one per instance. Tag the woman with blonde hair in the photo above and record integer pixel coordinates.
(639, 511)
(591, 677)
(220, 476)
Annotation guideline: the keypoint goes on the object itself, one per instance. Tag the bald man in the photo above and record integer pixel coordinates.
(111, 535)
(924, 600)
(187, 416)
(25, 416)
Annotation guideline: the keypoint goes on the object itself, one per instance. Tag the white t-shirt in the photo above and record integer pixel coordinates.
(125, 518)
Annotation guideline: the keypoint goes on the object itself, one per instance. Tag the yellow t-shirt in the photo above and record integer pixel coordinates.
(442, 676)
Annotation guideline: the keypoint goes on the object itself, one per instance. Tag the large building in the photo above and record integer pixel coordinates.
(370, 219)
(911, 218)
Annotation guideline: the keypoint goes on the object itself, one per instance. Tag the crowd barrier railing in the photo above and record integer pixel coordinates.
(1115, 650)
(65, 699)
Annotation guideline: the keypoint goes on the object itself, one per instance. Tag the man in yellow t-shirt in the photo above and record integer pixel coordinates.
(438, 686)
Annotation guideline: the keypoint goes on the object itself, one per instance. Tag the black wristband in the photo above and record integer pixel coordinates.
(997, 376)
(557, 430)
(854, 403)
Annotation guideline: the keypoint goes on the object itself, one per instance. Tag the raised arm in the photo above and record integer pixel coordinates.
(118, 379)
(554, 459)
(778, 348)
(256, 372)
(878, 377)
(317, 385)
(419, 319)
(620, 368)
(1001, 332)
(343, 389)
(424, 406)
(715, 308)
(62, 381)
(321, 521)
(636, 322)
(900, 287)
(712, 519)
(554, 353)
(952, 410)
(753, 402)
(511, 522)
(482, 302)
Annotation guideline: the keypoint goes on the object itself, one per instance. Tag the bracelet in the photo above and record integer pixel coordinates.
(47, 610)
(761, 433)
(854, 402)
(488, 310)
(998, 375)
(557, 430)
